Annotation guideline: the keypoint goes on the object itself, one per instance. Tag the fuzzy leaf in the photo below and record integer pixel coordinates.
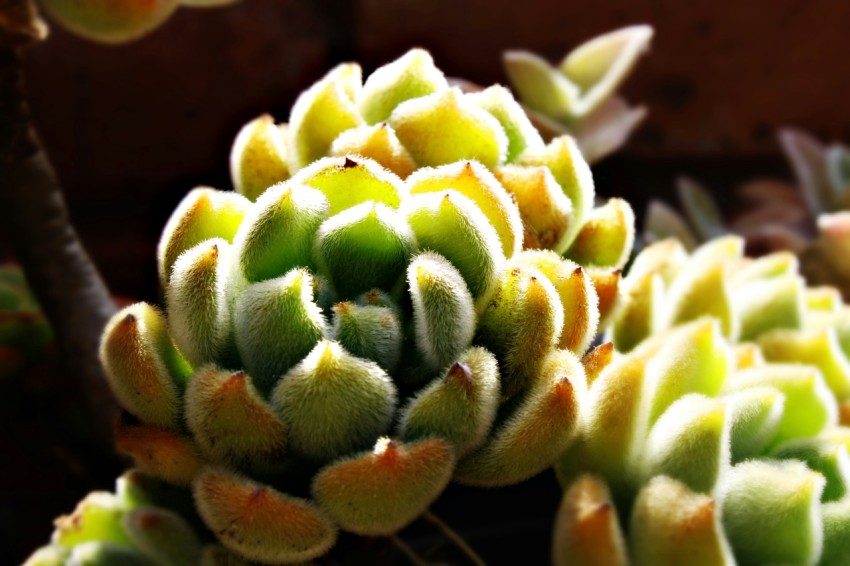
(453, 226)
(587, 532)
(369, 331)
(771, 513)
(459, 406)
(349, 181)
(809, 406)
(203, 213)
(769, 304)
(541, 428)
(576, 293)
(443, 309)
(378, 143)
(828, 458)
(819, 348)
(229, 419)
(475, 182)
(836, 533)
(640, 313)
(97, 518)
(162, 535)
(286, 308)
(564, 159)
(364, 247)
(159, 453)
(673, 525)
(522, 135)
(755, 415)
(196, 299)
(380, 492)
(544, 208)
(333, 403)
(596, 360)
(521, 324)
(662, 222)
(258, 157)
(323, 112)
(689, 443)
(539, 86)
(412, 75)
(278, 231)
(423, 124)
(607, 236)
(261, 523)
(145, 371)
(701, 208)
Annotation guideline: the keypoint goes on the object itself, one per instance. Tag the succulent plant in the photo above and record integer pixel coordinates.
(145, 523)
(397, 297)
(25, 334)
(811, 219)
(578, 97)
(696, 450)
(117, 21)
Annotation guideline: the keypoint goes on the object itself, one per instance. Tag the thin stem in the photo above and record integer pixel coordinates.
(407, 551)
(454, 537)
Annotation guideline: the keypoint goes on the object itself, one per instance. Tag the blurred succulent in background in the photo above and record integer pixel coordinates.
(363, 323)
(695, 450)
(811, 220)
(117, 21)
(144, 523)
(578, 97)
(25, 334)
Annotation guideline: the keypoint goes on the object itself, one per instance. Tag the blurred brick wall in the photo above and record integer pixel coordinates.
(132, 128)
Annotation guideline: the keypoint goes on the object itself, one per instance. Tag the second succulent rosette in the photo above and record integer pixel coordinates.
(368, 321)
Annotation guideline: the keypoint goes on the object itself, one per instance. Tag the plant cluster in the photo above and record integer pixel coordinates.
(396, 297)
(720, 437)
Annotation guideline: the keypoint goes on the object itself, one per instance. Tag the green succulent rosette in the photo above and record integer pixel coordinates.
(713, 431)
(397, 296)
(143, 523)
(25, 334)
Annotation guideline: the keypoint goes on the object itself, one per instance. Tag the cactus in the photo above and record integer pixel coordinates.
(25, 334)
(117, 21)
(577, 97)
(396, 297)
(811, 219)
(145, 522)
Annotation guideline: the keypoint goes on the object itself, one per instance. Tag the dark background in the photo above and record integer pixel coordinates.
(131, 129)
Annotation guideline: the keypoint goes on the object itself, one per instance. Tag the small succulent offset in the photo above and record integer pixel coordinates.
(117, 21)
(812, 219)
(25, 333)
(578, 97)
(721, 436)
(397, 299)
(144, 523)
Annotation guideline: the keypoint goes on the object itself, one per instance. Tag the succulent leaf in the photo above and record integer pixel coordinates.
(413, 75)
(587, 532)
(258, 157)
(443, 309)
(162, 535)
(322, 112)
(459, 406)
(288, 310)
(369, 331)
(364, 247)
(145, 370)
(333, 402)
(204, 213)
(381, 491)
(672, 524)
(278, 232)
(771, 513)
(606, 237)
(229, 419)
(160, 453)
(379, 143)
(261, 523)
(522, 135)
(423, 124)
